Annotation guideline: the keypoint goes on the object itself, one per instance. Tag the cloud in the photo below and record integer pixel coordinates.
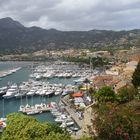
(74, 14)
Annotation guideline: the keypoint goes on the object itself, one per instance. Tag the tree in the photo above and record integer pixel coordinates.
(136, 76)
(105, 94)
(114, 122)
(28, 128)
(126, 94)
(86, 81)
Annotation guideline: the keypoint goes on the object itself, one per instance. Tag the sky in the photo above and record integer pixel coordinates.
(74, 14)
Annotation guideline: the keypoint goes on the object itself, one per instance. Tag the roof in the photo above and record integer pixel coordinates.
(103, 77)
(132, 63)
(78, 94)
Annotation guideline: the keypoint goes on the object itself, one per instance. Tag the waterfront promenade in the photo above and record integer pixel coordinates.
(72, 113)
(75, 117)
(82, 123)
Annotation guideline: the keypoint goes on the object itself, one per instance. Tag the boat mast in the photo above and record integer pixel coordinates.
(32, 100)
(91, 66)
(26, 99)
(3, 114)
(21, 101)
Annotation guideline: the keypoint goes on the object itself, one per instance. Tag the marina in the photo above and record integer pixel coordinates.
(41, 90)
(34, 91)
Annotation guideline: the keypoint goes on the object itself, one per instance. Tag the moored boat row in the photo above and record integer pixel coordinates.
(32, 88)
(64, 119)
(37, 108)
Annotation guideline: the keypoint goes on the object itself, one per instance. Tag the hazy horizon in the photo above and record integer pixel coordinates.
(71, 15)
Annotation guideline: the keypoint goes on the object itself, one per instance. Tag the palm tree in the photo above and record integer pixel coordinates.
(86, 81)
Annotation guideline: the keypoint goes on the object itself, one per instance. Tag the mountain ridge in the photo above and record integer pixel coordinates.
(16, 38)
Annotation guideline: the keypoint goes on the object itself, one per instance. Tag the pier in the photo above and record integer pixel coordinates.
(75, 117)
(5, 73)
(72, 113)
(82, 123)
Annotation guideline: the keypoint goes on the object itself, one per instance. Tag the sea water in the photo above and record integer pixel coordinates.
(8, 106)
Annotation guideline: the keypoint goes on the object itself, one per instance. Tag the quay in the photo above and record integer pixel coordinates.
(72, 113)
(75, 117)
(5, 73)
(82, 123)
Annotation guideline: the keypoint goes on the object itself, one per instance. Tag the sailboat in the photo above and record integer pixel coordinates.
(21, 106)
(3, 90)
(3, 115)
(3, 119)
(33, 111)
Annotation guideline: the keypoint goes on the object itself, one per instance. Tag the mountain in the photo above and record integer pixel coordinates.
(10, 23)
(14, 37)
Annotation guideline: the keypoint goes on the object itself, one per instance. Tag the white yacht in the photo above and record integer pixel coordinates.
(42, 92)
(38, 77)
(21, 108)
(3, 90)
(56, 114)
(38, 91)
(69, 122)
(33, 112)
(58, 91)
(50, 92)
(2, 125)
(11, 92)
(31, 92)
(74, 128)
(61, 118)
(21, 94)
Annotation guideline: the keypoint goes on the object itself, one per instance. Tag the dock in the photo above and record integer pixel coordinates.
(5, 73)
(75, 117)
(72, 113)
(82, 123)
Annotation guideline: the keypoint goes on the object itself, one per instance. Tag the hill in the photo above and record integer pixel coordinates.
(16, 38)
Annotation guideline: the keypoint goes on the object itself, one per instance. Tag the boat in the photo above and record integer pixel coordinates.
(20, 94)
(42, 107)
(42, 92)
(31, 92)
(27, 108)
(69, 130)
(33, 112)
(38, 77)
(49, 92)
(21, 108)
(66, 91)
(54, 110)
(2, 125)
(63, 125)
(56, 114)
(3, 90)
(3, 119)
(62, 118)
(69, 122)
(80, 80)
(58, 92)
(11, 92)
(59, 120)
(74, 128)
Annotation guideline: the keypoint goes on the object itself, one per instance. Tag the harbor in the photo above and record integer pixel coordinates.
(37, 91)
(43, 91)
